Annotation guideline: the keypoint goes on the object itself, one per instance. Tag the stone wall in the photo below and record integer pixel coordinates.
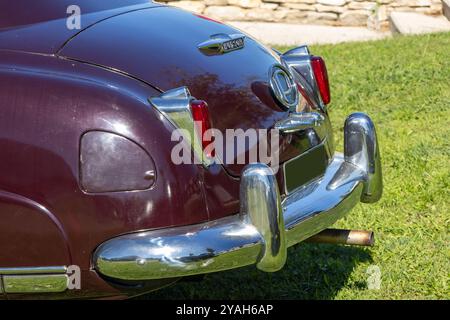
(374, 14)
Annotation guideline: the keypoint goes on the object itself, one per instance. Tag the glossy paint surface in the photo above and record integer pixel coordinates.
(41, 26)
(53, 92)
(160, 47)
(47, 104)
(19, 13)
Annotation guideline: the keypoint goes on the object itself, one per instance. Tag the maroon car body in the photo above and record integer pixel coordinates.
(63, 90)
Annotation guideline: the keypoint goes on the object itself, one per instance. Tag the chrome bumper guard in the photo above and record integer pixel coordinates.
(266, 226)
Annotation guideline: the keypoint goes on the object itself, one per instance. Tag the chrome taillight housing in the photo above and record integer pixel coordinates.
(311, 75)
(192, 116)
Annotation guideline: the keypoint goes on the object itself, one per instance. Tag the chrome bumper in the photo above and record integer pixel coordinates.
(266, 226)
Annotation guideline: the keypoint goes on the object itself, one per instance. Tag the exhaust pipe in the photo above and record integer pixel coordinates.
(339, 236)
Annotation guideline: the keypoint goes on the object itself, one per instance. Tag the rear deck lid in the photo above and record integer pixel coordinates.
(160, 46)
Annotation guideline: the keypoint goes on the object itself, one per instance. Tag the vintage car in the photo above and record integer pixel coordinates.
(93, 203)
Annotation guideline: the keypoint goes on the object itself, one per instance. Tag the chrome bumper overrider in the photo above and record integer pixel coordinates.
(266, 225)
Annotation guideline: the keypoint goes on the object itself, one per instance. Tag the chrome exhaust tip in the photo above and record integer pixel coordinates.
(348, 237)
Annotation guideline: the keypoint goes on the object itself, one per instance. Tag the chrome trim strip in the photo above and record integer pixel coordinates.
(177, 93)
(299, 51)
(256, 234)
(34, 270)
(35, 283)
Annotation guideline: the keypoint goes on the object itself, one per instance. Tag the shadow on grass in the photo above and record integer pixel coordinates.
(312, 271)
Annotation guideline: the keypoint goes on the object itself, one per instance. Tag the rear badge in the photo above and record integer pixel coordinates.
(222, 43)
(283, 87)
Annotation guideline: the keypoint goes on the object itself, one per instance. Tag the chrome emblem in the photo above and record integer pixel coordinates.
(283, 87)
(222, 43)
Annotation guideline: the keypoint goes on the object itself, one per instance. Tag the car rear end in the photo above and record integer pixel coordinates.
(213, 75)
(214, 80)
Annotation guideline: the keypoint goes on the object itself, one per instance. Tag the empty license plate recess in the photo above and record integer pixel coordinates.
(305, 167)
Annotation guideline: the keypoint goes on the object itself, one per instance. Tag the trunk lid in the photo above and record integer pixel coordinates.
(160, 47)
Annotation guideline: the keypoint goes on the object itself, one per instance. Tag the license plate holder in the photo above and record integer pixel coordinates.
(305, 167)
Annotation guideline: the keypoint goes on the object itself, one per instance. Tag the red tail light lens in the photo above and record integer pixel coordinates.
(200, 114)
(321, 74)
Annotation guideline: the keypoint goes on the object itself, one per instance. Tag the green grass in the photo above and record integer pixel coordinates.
(404, 85)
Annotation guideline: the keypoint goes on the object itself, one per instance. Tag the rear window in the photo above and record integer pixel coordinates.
(23, 12)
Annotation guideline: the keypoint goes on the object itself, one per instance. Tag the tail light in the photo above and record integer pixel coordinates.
(311, 73)
(321, 75)
(200, 114)
(191, 115)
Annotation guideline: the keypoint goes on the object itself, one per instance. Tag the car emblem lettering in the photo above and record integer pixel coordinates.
(222, 43)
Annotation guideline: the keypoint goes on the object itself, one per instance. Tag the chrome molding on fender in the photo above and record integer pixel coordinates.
(43, 283)
(51, 279)
(34, 270)
(175, 106)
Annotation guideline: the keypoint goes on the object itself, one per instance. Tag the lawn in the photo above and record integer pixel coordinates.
(404, 85)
